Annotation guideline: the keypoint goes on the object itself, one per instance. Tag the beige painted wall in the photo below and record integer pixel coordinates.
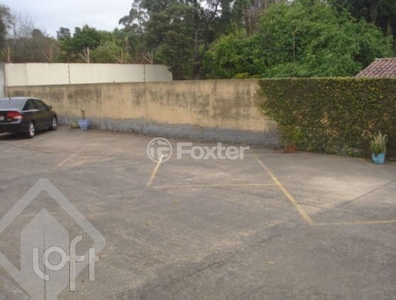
(227, 104)
(33, 74)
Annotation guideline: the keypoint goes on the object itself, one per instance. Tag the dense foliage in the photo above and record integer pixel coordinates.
(171, 34)
(178, 33)
(381, 13)
(332, 115)
(221, 38)
(307, 38)
(20, 41)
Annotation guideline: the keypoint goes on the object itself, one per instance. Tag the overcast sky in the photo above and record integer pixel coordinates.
(49, 15)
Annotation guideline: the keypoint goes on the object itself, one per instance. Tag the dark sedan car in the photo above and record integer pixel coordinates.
(26, 115)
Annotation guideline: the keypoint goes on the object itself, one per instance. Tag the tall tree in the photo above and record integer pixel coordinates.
(26, 43)
(183, 29)
(171, 35)
(247, 13)
(37, 47)
(6, 22)
(381, 13)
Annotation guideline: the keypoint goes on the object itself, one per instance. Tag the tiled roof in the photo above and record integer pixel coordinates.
(381, 67)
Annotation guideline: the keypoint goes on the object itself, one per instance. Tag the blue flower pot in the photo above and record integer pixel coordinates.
(84, 124)
(378, 159)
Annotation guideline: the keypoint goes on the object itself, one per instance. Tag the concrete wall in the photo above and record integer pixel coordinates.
(32, 74)
(2, 80)
(215, 110)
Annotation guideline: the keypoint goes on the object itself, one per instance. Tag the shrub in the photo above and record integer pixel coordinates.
(333, 115)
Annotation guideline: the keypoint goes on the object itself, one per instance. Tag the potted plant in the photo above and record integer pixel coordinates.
(83, 122)
(290, 138)
(378, 148)
(289, 147)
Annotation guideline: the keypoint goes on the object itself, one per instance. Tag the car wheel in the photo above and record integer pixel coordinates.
(31, 130)
(54, 124)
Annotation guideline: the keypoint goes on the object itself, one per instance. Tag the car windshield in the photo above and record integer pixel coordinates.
(11, 104)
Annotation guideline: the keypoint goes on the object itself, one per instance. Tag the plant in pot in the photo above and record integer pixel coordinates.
(290, 138)
(83, 122)
(378, 148)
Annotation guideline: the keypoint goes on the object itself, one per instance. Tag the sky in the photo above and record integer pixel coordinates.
(50, 15)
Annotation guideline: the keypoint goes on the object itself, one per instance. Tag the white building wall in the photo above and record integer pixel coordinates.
(154, 73)
(33, 74)
(36, 74)
(100, 73)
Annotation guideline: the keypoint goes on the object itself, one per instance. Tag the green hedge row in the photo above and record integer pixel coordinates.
(332, 115)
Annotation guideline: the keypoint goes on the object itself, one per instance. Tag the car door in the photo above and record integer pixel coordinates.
(32, 112)
(44, 114)
(48, 114)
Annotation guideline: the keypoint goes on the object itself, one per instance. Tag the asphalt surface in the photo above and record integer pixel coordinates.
(269, 226)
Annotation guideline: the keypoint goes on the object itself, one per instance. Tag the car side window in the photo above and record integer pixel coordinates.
(41, 105)
(30, 105)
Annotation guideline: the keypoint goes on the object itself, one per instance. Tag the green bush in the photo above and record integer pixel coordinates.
(333, 115)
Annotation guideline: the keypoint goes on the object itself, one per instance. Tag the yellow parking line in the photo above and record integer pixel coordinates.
(212, 185)
(71, 156)
(21, 145)
(289, 196)
(357, 223)
(151, 180)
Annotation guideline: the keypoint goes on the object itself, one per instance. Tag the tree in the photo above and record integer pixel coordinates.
(22, 27)
(35, 48)
(109, 52)
(131, 43)
(308, 38)
(247, 13)
(234, 57)
(6, 22)
(63, 34)
(83, 38)
(171, 34)
(134, 21)
(381, 13)
(86, 37)
(26, 43)
(305, 38)
(179, 32)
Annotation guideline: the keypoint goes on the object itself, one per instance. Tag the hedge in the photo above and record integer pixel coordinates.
(332, 115)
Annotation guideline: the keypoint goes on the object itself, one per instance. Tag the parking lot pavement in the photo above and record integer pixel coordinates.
(269, 226)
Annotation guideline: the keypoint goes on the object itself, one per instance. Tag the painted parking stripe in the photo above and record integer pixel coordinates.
(155, 171)
(23, 144)
(289, 196)
(212, 185)
(357, 223)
